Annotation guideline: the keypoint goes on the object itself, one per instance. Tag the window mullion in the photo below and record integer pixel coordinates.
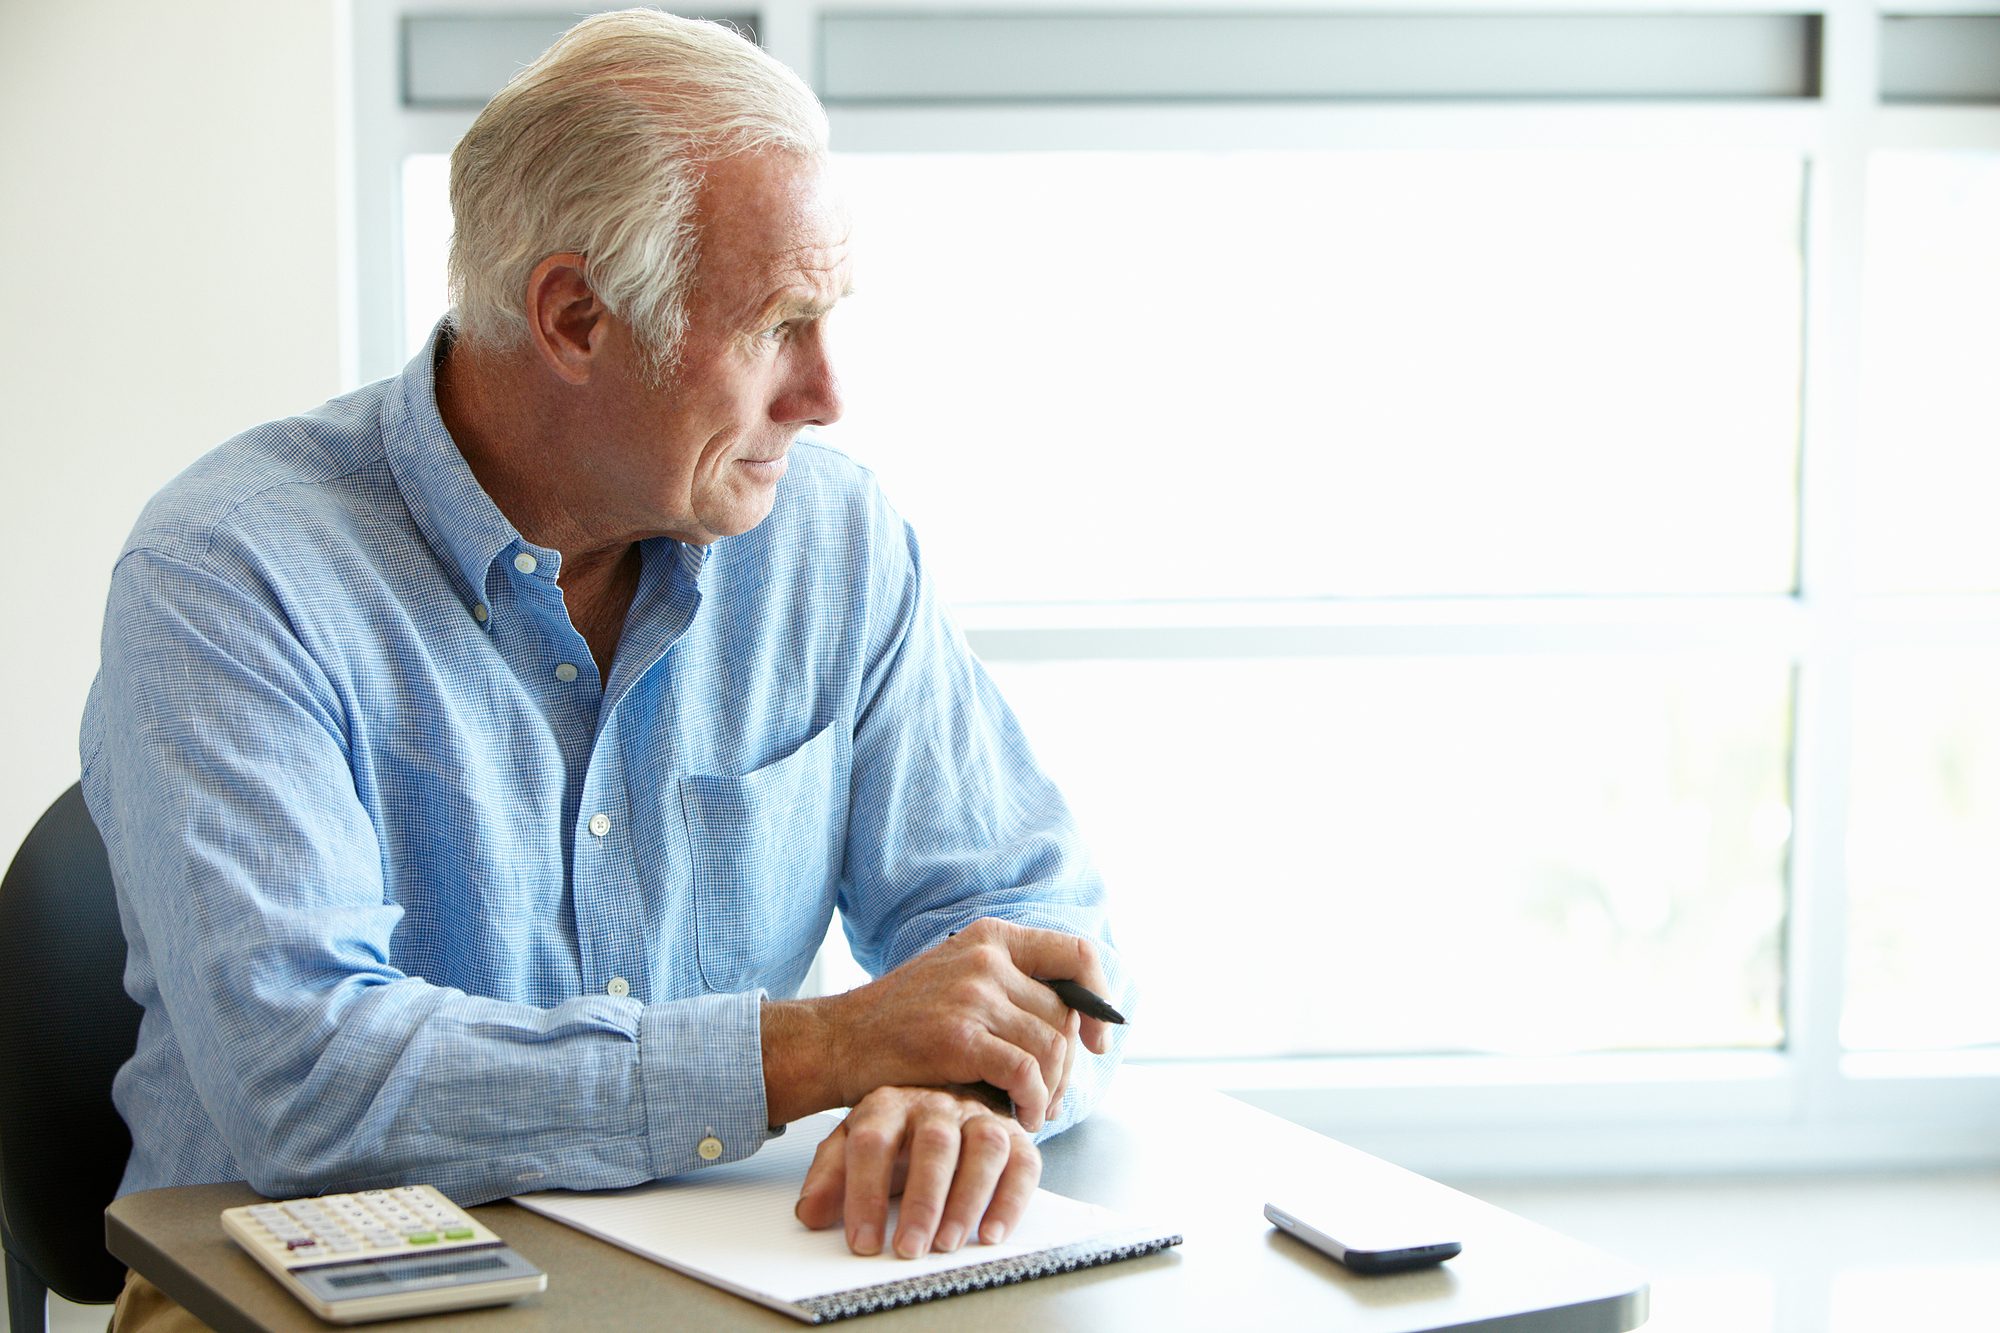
(1816, 942)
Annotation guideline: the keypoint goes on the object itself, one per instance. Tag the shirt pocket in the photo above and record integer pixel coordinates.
(766, 850)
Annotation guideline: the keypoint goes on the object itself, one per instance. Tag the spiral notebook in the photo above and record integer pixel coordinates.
(732, 1227)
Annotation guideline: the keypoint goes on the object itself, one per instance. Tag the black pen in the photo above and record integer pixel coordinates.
(1084, 1000)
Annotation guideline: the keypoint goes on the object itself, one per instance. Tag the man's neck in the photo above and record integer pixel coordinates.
(598, 594)
(511, 440)
(509, 437)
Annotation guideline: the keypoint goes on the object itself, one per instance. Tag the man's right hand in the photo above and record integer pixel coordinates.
(971, 1009)
(964, 1169)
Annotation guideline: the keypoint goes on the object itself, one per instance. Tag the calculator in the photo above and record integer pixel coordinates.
(381, 1254)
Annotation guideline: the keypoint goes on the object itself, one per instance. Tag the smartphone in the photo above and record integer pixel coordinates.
(1367, 1247)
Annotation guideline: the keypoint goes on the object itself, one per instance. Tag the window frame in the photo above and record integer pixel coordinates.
(1807, 1105)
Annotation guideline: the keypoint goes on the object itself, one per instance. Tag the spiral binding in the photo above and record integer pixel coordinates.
(993, 1273)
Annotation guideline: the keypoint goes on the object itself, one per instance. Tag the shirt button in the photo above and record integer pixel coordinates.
(710, 1148)
(566, 672)
(525, 563)
(479, 613)
(600, 824)
(618, 986)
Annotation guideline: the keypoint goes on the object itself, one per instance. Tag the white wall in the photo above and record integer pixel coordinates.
(172, 208)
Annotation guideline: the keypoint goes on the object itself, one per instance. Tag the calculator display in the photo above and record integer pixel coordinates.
(378, 1276)
(375, 1276)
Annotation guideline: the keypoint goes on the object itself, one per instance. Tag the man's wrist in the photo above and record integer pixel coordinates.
(804, 1064)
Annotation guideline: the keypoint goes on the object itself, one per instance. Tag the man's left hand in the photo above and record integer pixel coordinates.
(963, 1168)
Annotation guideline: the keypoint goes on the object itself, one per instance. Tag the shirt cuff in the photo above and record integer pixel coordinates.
(701, 1065)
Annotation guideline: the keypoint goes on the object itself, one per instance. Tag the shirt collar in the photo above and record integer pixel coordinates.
(459, 520)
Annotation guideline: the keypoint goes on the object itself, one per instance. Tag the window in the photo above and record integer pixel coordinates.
(1577, 372)
(1379, 838)
(1930, 453)
(1498, 550)
(1924, 853)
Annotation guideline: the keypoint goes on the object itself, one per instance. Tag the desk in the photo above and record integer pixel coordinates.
(1193, 1159)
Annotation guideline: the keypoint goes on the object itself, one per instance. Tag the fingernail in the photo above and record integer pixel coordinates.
(865, 1241)
(910, 1245)
(949, 1236)
(993, 1232)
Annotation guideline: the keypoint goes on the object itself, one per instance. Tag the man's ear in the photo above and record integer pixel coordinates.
(567, 324)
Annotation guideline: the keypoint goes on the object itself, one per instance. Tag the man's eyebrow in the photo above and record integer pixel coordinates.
(783, 306)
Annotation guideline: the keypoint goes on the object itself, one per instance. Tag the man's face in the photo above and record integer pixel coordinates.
(703, 452)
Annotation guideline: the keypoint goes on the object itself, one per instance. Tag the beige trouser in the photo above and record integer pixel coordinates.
(144, 1308)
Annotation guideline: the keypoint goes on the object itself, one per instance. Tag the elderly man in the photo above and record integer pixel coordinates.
(483, 755)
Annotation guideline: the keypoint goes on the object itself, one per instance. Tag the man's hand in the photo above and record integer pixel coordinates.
(963, 1169)
(971, 1010)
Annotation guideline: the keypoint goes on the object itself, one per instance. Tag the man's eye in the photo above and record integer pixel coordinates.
(777, 332)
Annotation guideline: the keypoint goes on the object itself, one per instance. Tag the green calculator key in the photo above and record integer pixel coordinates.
(459, 1233)
(422, 1238)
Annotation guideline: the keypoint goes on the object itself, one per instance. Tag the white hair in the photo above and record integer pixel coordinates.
(598, 148)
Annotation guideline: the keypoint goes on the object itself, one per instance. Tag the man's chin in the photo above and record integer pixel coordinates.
(748, 506)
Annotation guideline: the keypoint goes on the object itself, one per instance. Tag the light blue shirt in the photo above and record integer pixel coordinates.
(413, 895)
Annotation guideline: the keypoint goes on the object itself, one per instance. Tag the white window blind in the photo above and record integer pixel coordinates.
(461, 60)
(1056, 56)
(1941, 58)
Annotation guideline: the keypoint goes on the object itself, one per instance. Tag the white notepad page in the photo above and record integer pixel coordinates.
(733, 1226)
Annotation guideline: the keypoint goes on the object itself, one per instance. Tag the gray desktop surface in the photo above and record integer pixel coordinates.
(1201, 1163)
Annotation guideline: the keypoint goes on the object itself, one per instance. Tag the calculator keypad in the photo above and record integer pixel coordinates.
(371, 1224)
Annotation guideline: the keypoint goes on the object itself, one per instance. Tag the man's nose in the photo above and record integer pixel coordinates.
(813, 396)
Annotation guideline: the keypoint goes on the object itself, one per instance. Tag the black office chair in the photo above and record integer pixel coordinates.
(66, 1025)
